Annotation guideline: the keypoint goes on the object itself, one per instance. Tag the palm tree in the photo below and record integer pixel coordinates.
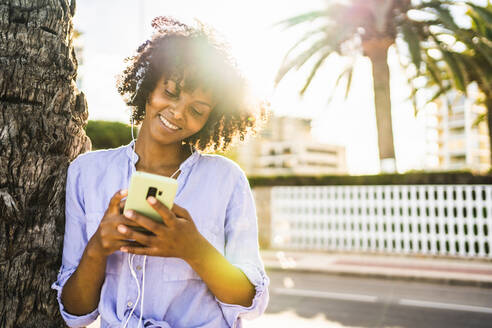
(367, 27)
(456, 56)
(41, 129)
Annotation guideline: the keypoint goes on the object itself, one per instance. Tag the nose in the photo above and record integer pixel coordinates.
(177, 110)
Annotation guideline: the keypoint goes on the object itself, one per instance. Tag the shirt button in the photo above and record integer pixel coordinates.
(139, 267)
(130, 304)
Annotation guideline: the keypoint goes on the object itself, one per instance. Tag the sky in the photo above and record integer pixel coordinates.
(112, 30)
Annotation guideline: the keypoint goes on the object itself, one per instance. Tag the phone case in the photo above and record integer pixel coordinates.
(143, 185)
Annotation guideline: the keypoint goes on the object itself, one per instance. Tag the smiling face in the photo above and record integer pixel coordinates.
(172, 115)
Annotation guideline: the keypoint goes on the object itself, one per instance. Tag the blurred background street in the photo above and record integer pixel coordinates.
(367, 302)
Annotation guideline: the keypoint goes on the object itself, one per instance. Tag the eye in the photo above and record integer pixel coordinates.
(169, 93)
(195, 111)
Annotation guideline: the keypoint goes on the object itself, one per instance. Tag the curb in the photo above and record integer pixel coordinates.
(381, 275)
(442, 271)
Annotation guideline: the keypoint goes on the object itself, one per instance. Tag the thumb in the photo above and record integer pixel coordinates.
(180, 212)
(114, 203)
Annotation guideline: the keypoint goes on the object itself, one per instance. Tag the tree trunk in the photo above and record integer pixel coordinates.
(377, 51)
(42, 116)
(488, 104)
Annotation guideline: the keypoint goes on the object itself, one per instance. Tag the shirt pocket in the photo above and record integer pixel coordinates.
(175, 269)
(115, 260)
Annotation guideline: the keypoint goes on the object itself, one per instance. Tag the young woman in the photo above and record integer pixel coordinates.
(202, 267)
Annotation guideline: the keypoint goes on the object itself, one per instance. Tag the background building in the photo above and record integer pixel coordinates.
(285, 146)
(454, 141)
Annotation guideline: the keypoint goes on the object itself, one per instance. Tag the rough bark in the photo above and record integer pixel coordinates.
(488, 104)
(377, 51)
(42, 115)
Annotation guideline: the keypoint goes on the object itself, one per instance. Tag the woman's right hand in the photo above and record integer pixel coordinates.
(107, 239)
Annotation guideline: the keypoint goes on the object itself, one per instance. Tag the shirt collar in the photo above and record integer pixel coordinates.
(192, 159)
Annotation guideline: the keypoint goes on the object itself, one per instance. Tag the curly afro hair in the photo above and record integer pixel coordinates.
(175, 50)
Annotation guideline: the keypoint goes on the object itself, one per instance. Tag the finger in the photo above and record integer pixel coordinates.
(141, 238)
(121, 219)
(130, 224)
(180, 212)
(166, 214)
(144, 221)
(113, 207)
(132, 243)
(122, 205)
(114, 244)
(137, 250)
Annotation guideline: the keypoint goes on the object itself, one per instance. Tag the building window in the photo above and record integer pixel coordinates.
(324, 151)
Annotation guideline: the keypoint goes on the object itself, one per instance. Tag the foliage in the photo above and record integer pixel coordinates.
(422, 28)
(107, 134)
(231, 153)
(454, 56)
(413, 178)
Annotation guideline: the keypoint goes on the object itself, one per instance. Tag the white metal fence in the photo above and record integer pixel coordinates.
(453, 220)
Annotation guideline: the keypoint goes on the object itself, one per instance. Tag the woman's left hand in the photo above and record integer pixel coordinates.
(178, 237)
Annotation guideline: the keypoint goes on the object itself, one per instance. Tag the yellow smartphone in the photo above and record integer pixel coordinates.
(143, 185)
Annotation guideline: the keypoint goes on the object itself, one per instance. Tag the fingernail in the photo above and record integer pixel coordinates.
(128, 214)
(124, 249)
(122, 228)
(152, 200)
(123, 192)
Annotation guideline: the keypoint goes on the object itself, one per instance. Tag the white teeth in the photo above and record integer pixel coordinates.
(166, 123)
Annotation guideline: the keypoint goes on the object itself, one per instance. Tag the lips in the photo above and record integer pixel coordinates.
(168, 125)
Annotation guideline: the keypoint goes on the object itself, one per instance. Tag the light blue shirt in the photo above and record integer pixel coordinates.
(216, 193)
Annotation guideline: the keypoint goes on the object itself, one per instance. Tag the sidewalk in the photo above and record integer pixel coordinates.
(451, 271)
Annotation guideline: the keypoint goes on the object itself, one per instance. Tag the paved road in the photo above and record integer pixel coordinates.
(361, 302)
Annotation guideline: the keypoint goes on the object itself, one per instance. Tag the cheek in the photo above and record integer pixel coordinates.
(156, 101)
(196, 126)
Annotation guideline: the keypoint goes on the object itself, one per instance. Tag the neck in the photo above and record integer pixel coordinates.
(158, 158)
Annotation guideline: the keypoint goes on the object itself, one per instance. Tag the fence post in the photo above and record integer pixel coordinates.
(262, 197)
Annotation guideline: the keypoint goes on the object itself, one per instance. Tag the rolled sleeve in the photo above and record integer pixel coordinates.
(74, 244)
(242, 250)
(70, 319)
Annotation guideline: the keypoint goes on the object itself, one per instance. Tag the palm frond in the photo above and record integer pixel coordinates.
(477, 23)
(484, 13)
(309, 34)
(302, 18)
(439, 93)
(314, 70)
(447, 20)
(348, 72)
(349, 81)
(455, 68)
(482, 117)
(478, 74)
(302, 58)
(433, 70)
(413, 43)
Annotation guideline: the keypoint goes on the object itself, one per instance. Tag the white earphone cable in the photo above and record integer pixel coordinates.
(140, 292)
(143, 290)
(134, 275)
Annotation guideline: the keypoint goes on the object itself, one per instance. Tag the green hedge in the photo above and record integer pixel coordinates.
(107, 134)
(422, 178)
